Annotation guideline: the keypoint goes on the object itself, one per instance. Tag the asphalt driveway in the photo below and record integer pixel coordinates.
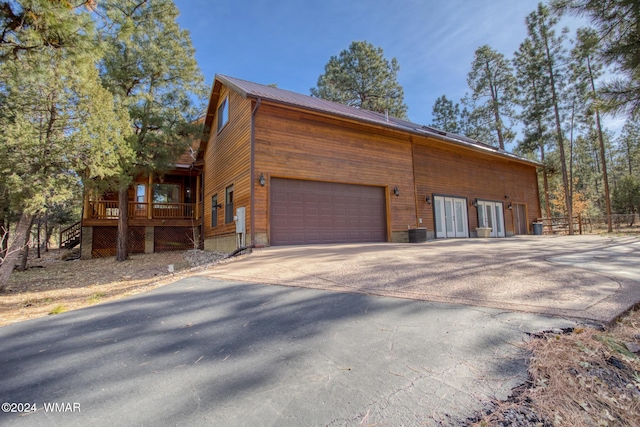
(212, 351)
(587, 277)
(203, 352)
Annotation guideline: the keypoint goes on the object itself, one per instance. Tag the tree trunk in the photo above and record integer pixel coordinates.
(560, 139)
(21, 236)
(4, 235)
(25, 257)
(545, 180)
(603, 158)
(48, 235)
(25, 251)
(38, 238)
(122, 250)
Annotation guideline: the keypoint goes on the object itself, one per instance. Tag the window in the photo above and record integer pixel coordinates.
(166, 193)
(214, 210)
(141, 198)
(141, 190)
(228, 209)
(223, 113)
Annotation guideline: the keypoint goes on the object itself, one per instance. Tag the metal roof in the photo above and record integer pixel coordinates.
(277, 95)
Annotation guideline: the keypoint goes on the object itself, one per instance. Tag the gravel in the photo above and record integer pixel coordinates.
(197, 257)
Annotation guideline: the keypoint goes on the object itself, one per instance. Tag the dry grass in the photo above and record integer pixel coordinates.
(585, 378)
(51, 285)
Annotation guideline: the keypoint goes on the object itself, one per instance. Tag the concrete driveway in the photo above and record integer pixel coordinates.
(587, 277)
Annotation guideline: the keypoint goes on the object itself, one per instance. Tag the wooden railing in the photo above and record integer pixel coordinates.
(70, 237)
(561, 224)
(109, 210)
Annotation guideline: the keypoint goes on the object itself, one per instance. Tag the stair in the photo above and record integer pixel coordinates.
(70, 236)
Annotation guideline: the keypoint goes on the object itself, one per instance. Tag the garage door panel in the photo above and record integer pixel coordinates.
(321, 212)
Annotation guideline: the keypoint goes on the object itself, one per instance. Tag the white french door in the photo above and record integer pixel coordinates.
(450, 217)
(491, 215)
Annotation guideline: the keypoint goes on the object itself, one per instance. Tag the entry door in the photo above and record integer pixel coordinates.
(451, 217)
(491, 214)
(519, 218)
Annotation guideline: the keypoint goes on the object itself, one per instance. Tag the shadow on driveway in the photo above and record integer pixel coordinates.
(204, 351)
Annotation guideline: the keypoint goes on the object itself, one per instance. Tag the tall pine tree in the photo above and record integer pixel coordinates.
(586, 69)
(150, 67)
(445, 115)
(618, 25)
(493, 90)
(60, 126)
(535, 100)
(541, 31)
(361, 77)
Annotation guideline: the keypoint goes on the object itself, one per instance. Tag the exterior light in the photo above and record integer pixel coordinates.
(475, 202)
(428, 200)
(262, 181)
(509, 206)
(396, 191)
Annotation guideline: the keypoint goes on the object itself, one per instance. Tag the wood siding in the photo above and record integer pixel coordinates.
(443, 169)
(294, 143)
(299, 145)
(227, 162)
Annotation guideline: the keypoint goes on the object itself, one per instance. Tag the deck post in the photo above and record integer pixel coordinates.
(197, 197)
(85, 212)
(150, 197)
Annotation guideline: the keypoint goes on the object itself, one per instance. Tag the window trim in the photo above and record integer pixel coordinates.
(223, 113)
(228, 204)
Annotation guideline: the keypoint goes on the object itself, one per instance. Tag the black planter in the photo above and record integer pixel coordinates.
(417, 235)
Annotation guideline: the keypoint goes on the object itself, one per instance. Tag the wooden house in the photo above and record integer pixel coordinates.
(164, 213)
(282, 168)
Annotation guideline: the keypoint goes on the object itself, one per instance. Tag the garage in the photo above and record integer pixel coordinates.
(304, 212)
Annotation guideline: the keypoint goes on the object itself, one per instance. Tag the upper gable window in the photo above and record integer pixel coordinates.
(223, 113)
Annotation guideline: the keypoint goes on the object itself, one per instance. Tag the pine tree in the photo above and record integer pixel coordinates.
(445, 115)
(361, 77)
(535, 100)
(540, 29)
(150, 66)
(628, 159)
(61, 128)
(493, 90)
(618, 25)
(585, 71)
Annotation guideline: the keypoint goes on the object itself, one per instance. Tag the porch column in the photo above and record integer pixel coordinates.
(198, 197)
(86, 245)
(85, 211)
(150, 197)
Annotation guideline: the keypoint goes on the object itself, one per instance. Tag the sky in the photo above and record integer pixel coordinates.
(288, 42)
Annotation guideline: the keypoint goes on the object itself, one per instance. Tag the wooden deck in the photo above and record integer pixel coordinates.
(102, 212)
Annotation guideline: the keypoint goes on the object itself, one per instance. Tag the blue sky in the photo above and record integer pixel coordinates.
(288, 42)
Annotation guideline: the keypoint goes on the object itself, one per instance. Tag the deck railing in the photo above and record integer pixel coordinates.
(70, 236)
(101, 209)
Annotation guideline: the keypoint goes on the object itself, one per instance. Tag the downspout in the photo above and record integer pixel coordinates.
(415, 183)
(253, 173)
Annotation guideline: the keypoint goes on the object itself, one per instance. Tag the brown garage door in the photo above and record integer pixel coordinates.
(304, 212)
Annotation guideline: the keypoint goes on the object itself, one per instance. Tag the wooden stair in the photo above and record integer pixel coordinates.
(70, 236)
